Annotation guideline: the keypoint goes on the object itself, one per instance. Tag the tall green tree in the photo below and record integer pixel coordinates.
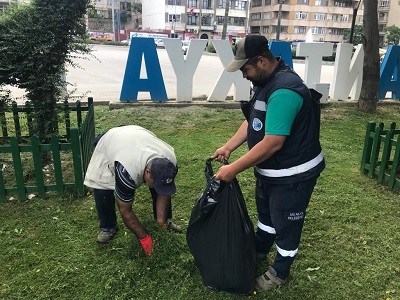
(393, 34)
(370, 81)
(37, 41)
(137, 11)
(357, 34)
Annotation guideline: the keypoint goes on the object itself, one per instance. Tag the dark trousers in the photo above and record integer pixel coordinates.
(281, 211)
(105, 205)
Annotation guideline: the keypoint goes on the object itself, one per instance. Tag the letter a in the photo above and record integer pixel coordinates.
(133, 84)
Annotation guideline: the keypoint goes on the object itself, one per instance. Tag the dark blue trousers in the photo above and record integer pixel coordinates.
(281, 211)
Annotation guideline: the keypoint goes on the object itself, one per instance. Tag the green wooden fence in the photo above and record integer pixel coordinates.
(70, 151)
(381, 155)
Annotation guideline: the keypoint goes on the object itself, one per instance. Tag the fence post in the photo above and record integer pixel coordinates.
(385, 154)
(395, 165)
(366, 156)
(37, 162)
(375, 149)
(19, 174)
(77, 161)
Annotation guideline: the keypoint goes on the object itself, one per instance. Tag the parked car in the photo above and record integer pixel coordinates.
(159, 43)
(101, 37)
(185, 47)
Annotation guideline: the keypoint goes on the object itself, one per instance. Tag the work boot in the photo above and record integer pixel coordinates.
(106, 235)
(173, 227)
(268, 281)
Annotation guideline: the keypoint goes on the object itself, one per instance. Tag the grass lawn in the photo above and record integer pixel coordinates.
(350, 246)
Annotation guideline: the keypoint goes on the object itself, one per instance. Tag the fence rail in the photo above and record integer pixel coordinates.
(70, 154)
(381, 154)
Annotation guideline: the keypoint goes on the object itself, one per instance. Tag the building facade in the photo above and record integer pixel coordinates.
(322, 20)
(388, 15)
(188, 19)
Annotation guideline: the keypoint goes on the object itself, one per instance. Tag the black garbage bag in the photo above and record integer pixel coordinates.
(220, 237)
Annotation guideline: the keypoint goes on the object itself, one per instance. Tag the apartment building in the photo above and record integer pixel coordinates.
(195, 18)
(388, 15)
(324, 19)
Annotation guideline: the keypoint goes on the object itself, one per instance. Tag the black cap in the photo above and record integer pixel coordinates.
(163, 173)
(250, 46)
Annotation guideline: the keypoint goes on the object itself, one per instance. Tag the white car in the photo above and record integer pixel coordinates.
(185, 47)
(159, 43)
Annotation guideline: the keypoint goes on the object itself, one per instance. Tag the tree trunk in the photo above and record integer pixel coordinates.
(225, 26)
(370, 81)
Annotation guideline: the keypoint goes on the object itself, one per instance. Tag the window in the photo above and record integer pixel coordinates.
(240, 5)
(335, 17)
(174, 18)
(384, 3)
(317, 30)
(255, 3)
(267, 2)
(284, 29)
(321, 2)
(191, 20)
(220, 20)
(336, 31)
(266, 29)
(174, 2)
(344, 18)
(343, 3)
(305, 2)
(267, 16)
(255, 16)
(192, 3)
(300, 29)
(319, 16)
(301, 15)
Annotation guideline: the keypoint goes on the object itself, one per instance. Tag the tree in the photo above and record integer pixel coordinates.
(393, 34)
(37, 41)
(225, 25)
(357, 35)
(136, 9)
(370, 81)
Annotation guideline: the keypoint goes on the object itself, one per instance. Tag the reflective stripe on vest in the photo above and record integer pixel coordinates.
(292, 170)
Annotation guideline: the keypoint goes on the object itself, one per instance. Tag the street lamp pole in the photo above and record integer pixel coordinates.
(278, 26)
(356, 5)
(113, 19)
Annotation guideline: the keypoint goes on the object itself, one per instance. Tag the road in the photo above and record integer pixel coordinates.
(101, 74)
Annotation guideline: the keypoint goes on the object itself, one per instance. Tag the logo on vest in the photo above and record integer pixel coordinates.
(257, 124)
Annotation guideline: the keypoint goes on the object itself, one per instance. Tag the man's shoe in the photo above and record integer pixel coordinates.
(173, 227)
(268, 281)
(106, 236)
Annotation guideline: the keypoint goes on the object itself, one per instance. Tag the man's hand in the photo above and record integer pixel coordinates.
(221, 154)
(226, 173)
(147, 245)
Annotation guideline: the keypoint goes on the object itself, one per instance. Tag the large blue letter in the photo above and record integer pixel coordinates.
(283, 50)
(390, 73)
(132, 84)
